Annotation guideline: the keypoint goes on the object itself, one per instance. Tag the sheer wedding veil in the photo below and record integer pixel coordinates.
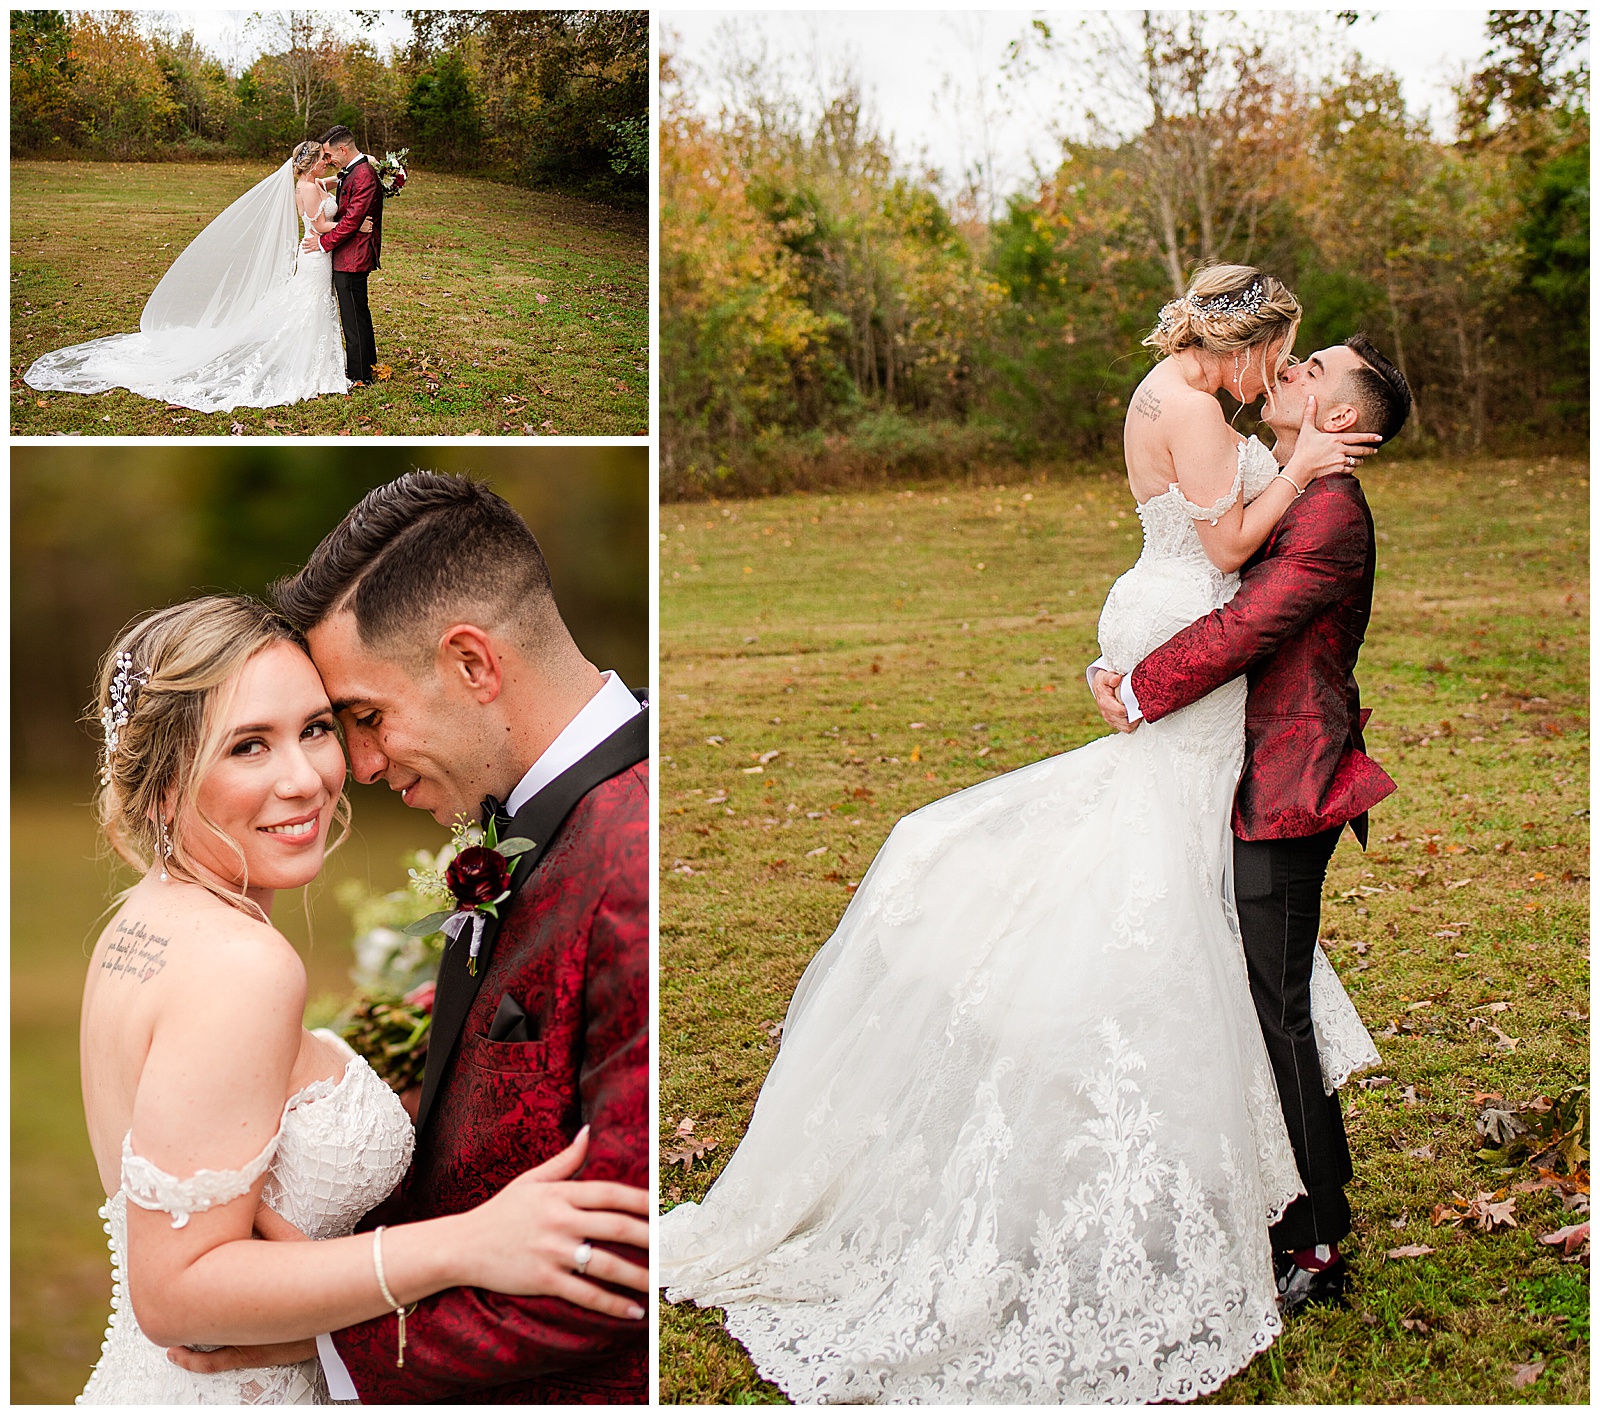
(230, 265)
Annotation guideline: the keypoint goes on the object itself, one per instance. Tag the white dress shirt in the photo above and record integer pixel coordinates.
(597, 719)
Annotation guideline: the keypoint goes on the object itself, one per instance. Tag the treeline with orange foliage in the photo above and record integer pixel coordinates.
(537, 97)
(826, 314)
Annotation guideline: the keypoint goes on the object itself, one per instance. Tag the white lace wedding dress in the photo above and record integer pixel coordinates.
(341, 1148)
(285, 347)
(1021, 1142)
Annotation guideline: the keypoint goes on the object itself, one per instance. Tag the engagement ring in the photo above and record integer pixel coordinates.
(580, 1258)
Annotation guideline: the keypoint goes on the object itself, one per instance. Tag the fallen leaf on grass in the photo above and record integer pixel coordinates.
(686, 1127)
(1411, 1250)
(1486, 1212)
(686, 1155)
(1568, 1239)
(1502, 1042)
(1526, 1375)
(1415, 1324)
(1569, 1186)
(1543, 1130)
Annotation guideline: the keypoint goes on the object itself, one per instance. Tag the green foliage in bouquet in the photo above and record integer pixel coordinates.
(393, 1036)
(394, 971)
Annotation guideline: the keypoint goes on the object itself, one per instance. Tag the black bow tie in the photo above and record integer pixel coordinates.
(493, 810)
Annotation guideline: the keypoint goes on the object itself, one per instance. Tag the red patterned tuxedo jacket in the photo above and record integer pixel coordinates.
(1295, 627)
(360, 196)
(573, 953)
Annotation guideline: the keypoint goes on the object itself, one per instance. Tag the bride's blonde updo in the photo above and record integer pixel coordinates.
(161, 706)
(304, 158)
(1226, 309)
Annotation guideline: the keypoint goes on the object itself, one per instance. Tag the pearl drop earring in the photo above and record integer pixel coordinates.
(161, 836)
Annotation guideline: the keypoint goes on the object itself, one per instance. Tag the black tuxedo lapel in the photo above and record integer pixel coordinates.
(540, 821)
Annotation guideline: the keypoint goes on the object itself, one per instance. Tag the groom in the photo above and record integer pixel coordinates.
(355, 252)
(1294, 628)
(429, 614)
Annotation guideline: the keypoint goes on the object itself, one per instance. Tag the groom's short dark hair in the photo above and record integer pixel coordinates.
(419, 548)
(338, 133)
(1378, 390)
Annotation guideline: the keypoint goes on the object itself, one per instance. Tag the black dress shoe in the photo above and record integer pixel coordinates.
(1310, 1287)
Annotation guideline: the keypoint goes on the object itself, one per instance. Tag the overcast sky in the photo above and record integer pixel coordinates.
(920, 70)
(230, 35)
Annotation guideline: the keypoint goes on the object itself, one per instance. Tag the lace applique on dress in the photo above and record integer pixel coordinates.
(1344, 1046)
(151, 1187)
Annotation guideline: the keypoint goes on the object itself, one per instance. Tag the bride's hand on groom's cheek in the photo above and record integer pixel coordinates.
(238, 1358)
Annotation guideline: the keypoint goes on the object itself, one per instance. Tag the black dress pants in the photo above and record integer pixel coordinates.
(360, 349)
(1278, 887)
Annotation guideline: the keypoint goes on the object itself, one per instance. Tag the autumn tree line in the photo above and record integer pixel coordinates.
(826, 313)
(546, 98)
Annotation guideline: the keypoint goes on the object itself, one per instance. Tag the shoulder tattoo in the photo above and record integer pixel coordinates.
(1147, 405)
(135, 951)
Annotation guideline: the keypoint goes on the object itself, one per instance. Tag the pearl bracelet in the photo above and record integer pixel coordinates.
(383, 1287)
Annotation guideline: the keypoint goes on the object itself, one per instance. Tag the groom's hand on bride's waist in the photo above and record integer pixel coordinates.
(238, 1358)
(1104, 685)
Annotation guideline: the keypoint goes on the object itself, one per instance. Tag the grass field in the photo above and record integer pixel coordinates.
(60, 1269)
(499, 311)
(801, 637)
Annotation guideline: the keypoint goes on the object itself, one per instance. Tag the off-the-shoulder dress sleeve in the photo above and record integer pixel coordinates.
(1219, 508)
(151, 1187)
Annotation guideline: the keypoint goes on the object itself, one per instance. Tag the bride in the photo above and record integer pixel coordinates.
(242, 318)
(1021, 1142)
(215, 1118)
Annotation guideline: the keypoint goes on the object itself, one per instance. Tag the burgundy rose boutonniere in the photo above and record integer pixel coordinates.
(479, 879)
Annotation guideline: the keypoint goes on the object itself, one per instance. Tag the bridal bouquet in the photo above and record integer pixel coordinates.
(392, 172)
(394, 971)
